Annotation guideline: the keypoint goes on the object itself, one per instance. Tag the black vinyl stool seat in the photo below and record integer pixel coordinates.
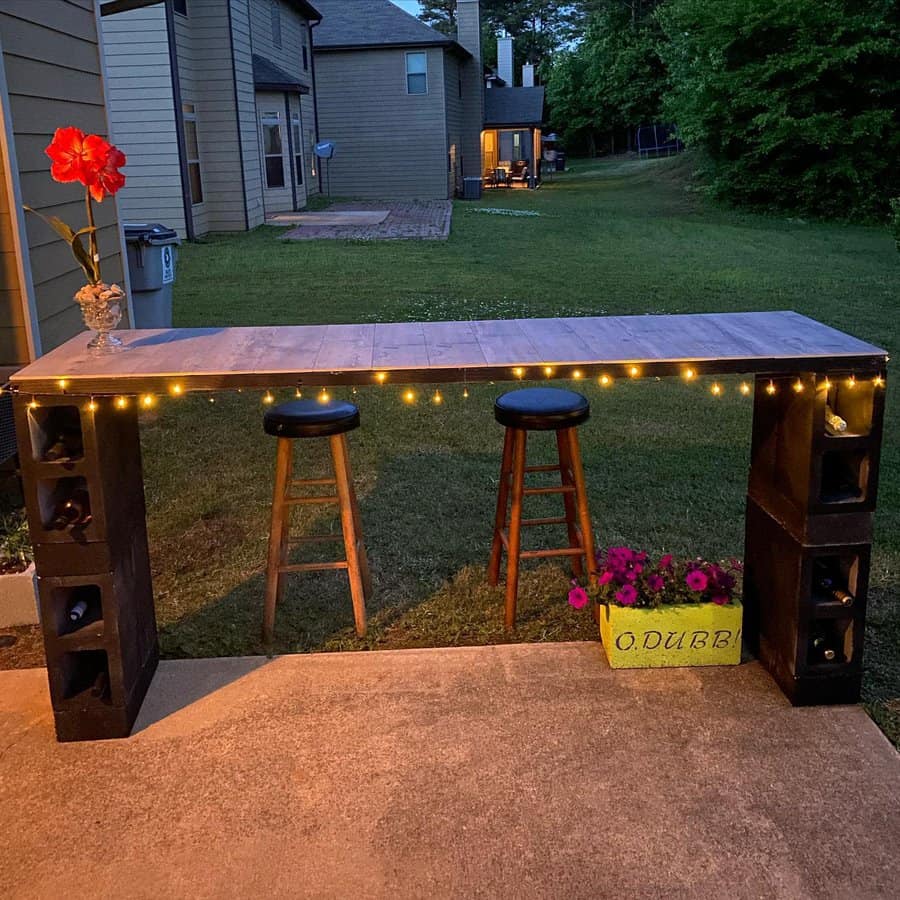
(314, 419)
(540, 409)
(311, 419)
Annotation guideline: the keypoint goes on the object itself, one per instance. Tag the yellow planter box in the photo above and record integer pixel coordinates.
(690, 634)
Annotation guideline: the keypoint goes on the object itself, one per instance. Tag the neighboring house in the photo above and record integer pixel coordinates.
(402, 102)
(213, 103)
(50, 76)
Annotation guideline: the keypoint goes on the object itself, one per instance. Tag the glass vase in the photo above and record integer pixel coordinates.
(101, 307)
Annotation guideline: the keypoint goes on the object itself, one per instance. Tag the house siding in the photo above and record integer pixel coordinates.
(456, 119)
(13, 298)
(389, 144)
(53, 73)
(141, 106)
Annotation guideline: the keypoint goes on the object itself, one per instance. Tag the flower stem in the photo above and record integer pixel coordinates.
(92, 238)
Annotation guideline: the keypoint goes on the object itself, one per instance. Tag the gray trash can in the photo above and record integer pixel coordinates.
(151, 267)
(471, 188)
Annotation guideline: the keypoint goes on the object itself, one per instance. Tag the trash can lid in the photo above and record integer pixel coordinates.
(150, 233)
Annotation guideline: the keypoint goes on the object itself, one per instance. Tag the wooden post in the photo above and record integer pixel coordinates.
(810, 503)
(99, 664)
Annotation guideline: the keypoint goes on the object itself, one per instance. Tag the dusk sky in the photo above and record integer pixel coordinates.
(411, 6)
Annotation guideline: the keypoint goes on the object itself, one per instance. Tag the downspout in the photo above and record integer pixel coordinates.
(179, 124)
(292, 156)
(312, 69)
(237, 114)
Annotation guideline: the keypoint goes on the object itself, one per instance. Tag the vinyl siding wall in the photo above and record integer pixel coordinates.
(455, 122)
(390, 144)
(13, 299)
(53, 74)
(141, 106)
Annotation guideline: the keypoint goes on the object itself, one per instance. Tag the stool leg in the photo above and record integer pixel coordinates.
(520, 437)
(502, 503)
(565, 467)
(352, 540)
(277, 531)
(584, 516)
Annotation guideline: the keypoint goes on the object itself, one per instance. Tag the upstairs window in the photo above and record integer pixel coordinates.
(276, 22)
(416, 73)
(192, 152)
(305, 57)
(180, 6)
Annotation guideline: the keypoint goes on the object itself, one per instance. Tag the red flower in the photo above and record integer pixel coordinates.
(76, 156)
(109, 179)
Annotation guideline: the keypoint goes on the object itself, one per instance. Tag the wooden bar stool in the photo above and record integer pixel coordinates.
(540, 409)
(313, 419)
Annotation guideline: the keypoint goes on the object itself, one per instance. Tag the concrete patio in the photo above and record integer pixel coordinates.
(506, 771)
(381, 220)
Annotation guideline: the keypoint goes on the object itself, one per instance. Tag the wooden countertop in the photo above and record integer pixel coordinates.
(410, 352)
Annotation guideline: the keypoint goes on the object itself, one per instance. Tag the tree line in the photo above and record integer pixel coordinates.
(789, 103)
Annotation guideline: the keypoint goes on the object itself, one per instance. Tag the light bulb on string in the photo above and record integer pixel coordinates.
(324, 396)
(298, 394)
(548, 371)
(147, 401)
(690, 374)
(827, 384)
(798, 386)
(121, 402)
(409, 396)
(62, 383)
(605, 380)
(519, 372)
(92, 405)
(437, 399)
(851, 381)
(176, 389)
(716, 389)
(212, 399)
(770, 388)
(33, 404)
(577, 375)
(381, 377)
(634, 371)
(268, 398)
(465, 393)
(745, 388)
(878, 381)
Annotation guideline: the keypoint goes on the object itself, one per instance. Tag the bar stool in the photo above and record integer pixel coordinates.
(313, 419)
(540, 409)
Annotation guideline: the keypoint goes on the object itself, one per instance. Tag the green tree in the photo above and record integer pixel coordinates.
(439, 14)
(795, 102)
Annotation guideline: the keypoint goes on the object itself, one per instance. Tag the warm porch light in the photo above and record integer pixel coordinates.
(147, 401)
(634, 371)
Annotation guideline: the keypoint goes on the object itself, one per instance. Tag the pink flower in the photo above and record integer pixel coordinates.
(665, 562)
(626, 595)
(696, 580)
(605, 578)
(655, 582)
(720, 599)
(578, 598)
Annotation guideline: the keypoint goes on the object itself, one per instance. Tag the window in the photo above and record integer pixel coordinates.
(272, 149)
(180, 6)
(459, 86)
(297, 141)
(192, 152)
(276, 22)
(305, 57)
(416, 73)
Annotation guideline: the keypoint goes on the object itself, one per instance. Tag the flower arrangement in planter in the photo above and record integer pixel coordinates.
(95, 163)
(674, 613)
(18, 604)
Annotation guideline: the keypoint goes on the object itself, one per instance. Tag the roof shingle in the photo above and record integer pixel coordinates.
(511, 106)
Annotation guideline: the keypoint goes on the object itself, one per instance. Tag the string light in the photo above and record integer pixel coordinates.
(577, 374)
(324, 396)
(354, 391)
(465, 393)
(689, 374)
(34, 404)
(851, 381)
(147, 401)
(121, 403)
(176, 389)
(716, 389)
(437, 399)
(548, 370)
(798, 386)
(381, 377)
(770, 388)
(298, 394)
(409, 396)
(745, 388)
(605, 381)
(268, 398)
(878, 381)
(212, 399)
(63, 383)
(634, 371)
(92, 405)
(519, 372)
(826, 384)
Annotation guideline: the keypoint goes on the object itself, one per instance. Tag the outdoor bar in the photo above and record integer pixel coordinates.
(811, 494)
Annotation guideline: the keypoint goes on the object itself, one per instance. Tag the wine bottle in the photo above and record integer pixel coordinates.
(100, 686)
(830, 587)
(77, 610)
(73, 512)
(57, 450)
(834, 424)
(822, 651)
(67, 445)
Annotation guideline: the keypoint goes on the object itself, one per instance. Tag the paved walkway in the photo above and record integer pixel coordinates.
(407, 220)
(516, 771)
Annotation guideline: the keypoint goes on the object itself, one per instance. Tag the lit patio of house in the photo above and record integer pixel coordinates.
(511, 139)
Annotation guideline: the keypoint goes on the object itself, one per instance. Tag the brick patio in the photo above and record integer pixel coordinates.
(427, 220)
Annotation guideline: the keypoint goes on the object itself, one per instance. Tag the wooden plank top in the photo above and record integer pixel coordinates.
(271, 356)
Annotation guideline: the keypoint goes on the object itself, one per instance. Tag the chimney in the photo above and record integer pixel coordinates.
(528, 75)
(505, 60)
(468, 27)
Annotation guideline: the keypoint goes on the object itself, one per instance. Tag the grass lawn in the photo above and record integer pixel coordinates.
(666, 462)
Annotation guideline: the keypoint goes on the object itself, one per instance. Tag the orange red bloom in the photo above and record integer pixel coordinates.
(89, 159)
